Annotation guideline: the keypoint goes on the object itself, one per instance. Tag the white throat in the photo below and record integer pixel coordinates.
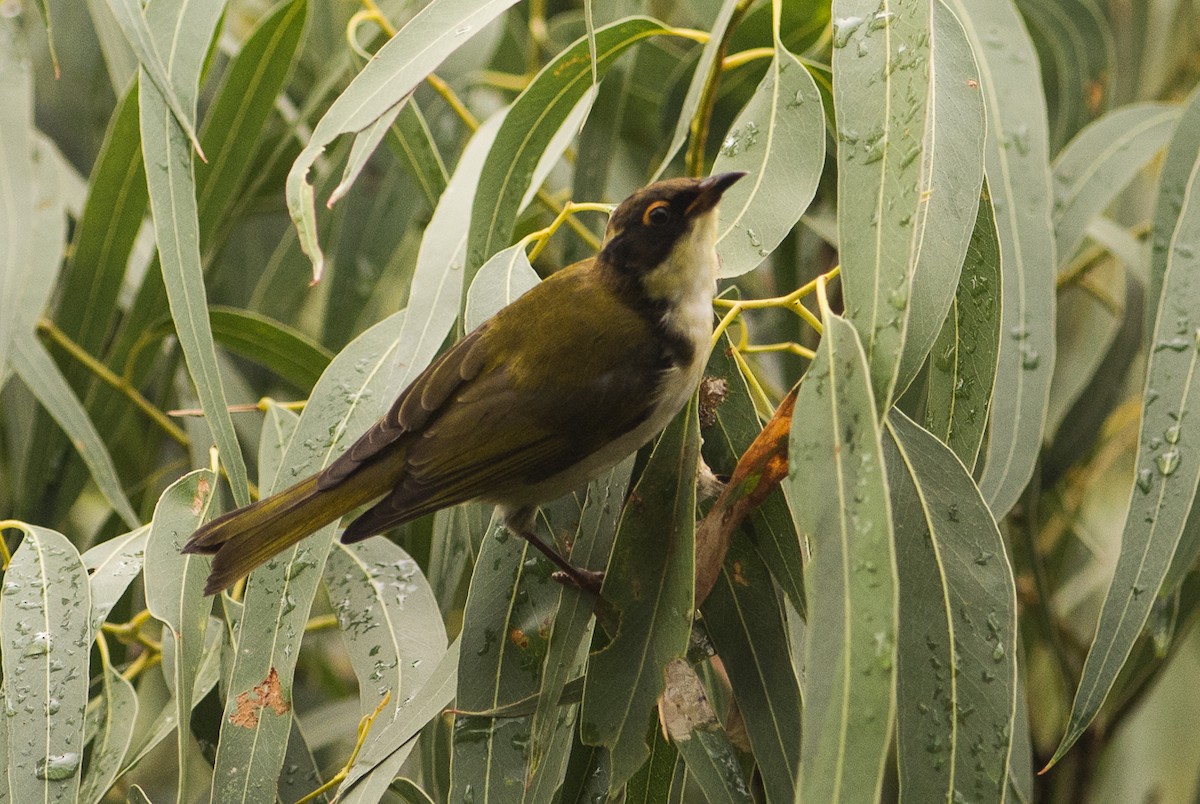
(686, 281)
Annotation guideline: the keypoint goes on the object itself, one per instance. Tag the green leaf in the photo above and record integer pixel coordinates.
(175, 592)
(592, 525)
(1165, 487)
(45, 637)
(414, 145)
(744, 617)
(111, 715)
(963, 367)
(350, 395)
(770, 527)
(113, 566)
(650, 584)
(547, 107)
(242, 105)
(397, 737)
(112, 215)
(1172, 184)
(283, 350)
(957, 663)
(952, 178)
(881, 77)
(435, 293)
(1018, 173)
(118, 55)
(779, 139)
(419, 47)
(164, 723)
(172, 187)
(1095, 166)
(16, 185)
(365, 143)
(388, 617)
(511, 599)
(654, 781)
(839, 498)
(1089, 319)
(40, 374)
(146, 36)
(498, 283)
(277, 430)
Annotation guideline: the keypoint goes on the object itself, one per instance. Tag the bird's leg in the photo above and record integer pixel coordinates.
(522, 524)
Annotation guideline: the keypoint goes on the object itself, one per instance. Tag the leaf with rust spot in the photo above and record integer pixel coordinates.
(268, 693)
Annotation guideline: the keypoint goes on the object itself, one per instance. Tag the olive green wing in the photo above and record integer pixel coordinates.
(475, 425)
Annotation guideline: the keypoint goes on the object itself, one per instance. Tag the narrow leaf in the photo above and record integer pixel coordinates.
(953, 171)
(175, 593)
(283, 350)
(650, 584)
(746, 622)
(779, 139)
(1172, 184)
(112, 714)
(113, 566)
(45, 637)
(412, 142)
(498, 283)
(1018, 173)
(1165, 484)
(41, 375)
(881, 78)
(349, 396)
(963, 366)
(16, 184)
(533, 122)
(419, 47)
(840, 501)
(1095, 166)
(957, 663)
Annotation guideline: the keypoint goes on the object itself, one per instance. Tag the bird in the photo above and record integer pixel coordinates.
(557, 387)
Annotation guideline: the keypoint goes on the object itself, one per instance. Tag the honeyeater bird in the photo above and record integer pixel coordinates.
(553, 390)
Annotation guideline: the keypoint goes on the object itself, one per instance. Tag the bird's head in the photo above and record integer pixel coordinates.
(665, 233)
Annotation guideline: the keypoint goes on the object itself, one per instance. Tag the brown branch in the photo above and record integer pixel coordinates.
(759, 471)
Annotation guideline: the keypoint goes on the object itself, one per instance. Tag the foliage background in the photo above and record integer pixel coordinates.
(986, 540)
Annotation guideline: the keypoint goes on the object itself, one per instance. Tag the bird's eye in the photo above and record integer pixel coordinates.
(657, 214)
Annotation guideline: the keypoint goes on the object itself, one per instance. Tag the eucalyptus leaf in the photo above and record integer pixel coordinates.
(1016, 162)
(1172, 184)
(650, 584)
(958, 608)
(419, 47)
(842, 509)
(881, 78)
(1166, 479)
(45, 638)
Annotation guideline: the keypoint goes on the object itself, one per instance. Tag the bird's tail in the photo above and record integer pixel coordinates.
(243, 539)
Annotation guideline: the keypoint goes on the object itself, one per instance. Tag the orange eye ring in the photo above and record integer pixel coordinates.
(650, 218)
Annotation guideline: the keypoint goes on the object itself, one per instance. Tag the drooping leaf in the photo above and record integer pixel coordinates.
(1172, 184)
(1165, 485)
(952, 180)
(45, 637)
(779, 139)
(839, 497)
(881, 78)
(1016, 162)
(958, 609)
(172, 189)
(649, 583)
(175, 593)
(963, 365)
(535, 119)
(419, 47)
